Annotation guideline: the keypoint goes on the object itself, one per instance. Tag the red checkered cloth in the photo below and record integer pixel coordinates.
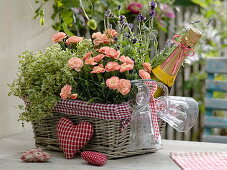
(97, 110)
(35, 155)
(201, 160)
(102, 111)
(94, 158)
(106, 111)
(153, 88)
(72, 137)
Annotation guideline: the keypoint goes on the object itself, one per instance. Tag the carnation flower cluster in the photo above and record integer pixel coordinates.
(96, 60)
(104, 64)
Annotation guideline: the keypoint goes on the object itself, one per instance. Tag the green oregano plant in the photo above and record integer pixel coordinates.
(40, 80)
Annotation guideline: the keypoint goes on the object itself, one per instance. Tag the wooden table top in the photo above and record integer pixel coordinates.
(12, 147)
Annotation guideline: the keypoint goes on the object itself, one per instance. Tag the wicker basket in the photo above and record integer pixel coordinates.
(107, 137)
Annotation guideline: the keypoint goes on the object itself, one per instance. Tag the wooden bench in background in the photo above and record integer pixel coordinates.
(215, 66)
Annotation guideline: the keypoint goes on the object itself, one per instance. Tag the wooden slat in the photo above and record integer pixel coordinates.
(217, 65)
(214, 139)
(215, 122)
(216, 104)
(214, 85)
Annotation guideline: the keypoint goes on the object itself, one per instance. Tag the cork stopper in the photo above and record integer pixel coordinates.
(191, 38)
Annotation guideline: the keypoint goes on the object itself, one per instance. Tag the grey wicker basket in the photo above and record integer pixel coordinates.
(107, 137)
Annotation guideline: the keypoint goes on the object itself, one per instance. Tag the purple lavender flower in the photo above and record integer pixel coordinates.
(119, 7)
(110, 26)
(130, 25)
(140, 17)
(109, 14)
(117, 48)
(153, 5)
(115, 38)
(134, 40)
(122, 17)
(127, 35)
(152, 13)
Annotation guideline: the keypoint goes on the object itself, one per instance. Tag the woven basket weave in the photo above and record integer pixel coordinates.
(107, 137)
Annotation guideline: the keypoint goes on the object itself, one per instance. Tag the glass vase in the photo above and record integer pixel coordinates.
(141, 126)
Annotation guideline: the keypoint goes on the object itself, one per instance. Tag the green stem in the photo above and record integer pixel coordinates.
(82, 6)
(104, 23)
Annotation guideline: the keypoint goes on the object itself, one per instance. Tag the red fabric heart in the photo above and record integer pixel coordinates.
(72, 137)
(94, 158)
(35, 155)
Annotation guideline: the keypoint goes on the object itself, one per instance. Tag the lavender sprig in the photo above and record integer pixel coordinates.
(140, 17)
(153, 5)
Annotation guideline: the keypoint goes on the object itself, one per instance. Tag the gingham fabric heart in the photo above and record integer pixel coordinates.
(72, 137)
(94, 158)
(35, 155)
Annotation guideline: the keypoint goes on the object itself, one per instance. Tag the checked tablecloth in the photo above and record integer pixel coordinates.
(201, 160)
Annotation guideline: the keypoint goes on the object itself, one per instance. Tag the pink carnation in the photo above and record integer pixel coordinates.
(111, 52)
(126, 67)
(98, 69)
(106, 40)
(96, 35)
(58, 37)
(112, 66)
(87, 55)
(144, 75)
(147, 67)
(124, 86)
(98, 41)
(104, 49)
(66, 92)
(99, 57)
(126, 60)
(101, 39)
(90, 61)
(73, 40)
(112, 82)
(111, 32)
(75, 63)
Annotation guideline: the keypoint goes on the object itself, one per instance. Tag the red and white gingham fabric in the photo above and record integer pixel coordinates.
(94, 158)
(35, 155)
(153, 88)
(107, 111)
(97, 110)
(72, 137)
(102, 111)
(200, 160)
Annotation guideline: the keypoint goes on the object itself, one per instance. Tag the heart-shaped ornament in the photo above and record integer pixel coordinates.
(35, 155)
(94, 158)
(73, 137)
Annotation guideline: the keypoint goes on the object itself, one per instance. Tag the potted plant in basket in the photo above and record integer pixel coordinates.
(90, 79)
(96, 70)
